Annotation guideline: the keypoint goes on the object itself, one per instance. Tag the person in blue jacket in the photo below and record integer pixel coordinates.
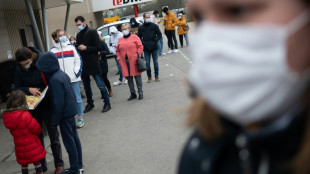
(64, 109)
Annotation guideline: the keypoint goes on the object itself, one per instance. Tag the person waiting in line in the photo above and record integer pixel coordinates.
(134, 26)
(29, 80)
(183, 30)
(88, 45)
(72, 40)
(25, 130)
(150, 34)
(170, 22)
(115, 35)
(156, 20)
(64, 109)
(128, 49)
(104, 51)
(70, 62)
(251, 88)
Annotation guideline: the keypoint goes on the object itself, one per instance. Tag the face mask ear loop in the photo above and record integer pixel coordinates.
(299, 22)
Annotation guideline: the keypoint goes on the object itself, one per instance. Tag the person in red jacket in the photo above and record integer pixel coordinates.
(25, 130)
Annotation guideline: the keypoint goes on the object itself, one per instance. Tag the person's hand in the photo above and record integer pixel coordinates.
(98, 53)
(35, 91)
(82, 47)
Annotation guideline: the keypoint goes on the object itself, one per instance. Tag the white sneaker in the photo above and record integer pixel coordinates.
(163, 54)
(126, 81)
(176, 50)
(169, 52)
(117, 83)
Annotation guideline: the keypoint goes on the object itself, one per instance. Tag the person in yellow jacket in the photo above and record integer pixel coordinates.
(183, 29)
(170, 22)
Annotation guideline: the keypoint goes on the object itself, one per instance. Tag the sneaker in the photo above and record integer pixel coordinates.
(106, 108)
(117, 83)
(176, 50)
(149, 80)
(117, 73)
(126, 81)
(163, 54)
(81, 171)
(80, 123)
(169, 52)
(157, 79)
(88, 108)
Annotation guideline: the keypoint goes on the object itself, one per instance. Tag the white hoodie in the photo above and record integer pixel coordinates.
(69, 60)
(114, 39)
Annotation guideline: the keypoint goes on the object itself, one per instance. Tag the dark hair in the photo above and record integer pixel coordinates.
(119, 27)
(54, 35)
(156, 12)
(79, 18)
(72, 38)
(165, 9)
(16, 99)
(145, 14)
(23, 54)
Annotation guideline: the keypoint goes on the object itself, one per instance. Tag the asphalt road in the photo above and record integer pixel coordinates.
(136, 137)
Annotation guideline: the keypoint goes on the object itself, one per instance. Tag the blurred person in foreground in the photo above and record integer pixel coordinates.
(251, 79)
(128, 49)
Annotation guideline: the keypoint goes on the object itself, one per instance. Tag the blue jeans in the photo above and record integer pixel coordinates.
(148, 55)
(160, 46)
(119, 69)
(76, 87)
(72, 143)
(100, 85)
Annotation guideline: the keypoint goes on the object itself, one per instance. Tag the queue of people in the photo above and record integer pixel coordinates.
(70, 62)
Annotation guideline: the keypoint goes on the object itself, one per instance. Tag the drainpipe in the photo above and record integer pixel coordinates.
(45, 25)
(67, 16)
(34, 25)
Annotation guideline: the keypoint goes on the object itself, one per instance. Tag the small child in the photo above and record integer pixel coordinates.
(25, 130)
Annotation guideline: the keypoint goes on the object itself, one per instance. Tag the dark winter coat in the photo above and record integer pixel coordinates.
(274, 144)
(104, 51)
(149, 34)
(25, 130)
(90, 39)
(32, 78)
(63, 100)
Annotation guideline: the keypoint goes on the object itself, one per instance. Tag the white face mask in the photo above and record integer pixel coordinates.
(125, 32)
(28, 65)
(242, 71)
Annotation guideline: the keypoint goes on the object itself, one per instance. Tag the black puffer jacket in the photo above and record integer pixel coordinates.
(90, 39)
(238, 151)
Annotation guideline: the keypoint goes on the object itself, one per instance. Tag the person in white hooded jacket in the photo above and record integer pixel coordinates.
(70, 62)
(115, 35)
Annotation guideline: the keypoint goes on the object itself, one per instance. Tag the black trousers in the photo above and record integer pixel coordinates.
(106, 80)
(43, 114)
(72, 143)
(172, 38)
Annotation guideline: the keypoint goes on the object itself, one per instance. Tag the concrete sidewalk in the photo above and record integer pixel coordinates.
(136, 137)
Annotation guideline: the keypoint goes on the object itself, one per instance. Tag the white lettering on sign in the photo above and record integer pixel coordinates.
(100, 5)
